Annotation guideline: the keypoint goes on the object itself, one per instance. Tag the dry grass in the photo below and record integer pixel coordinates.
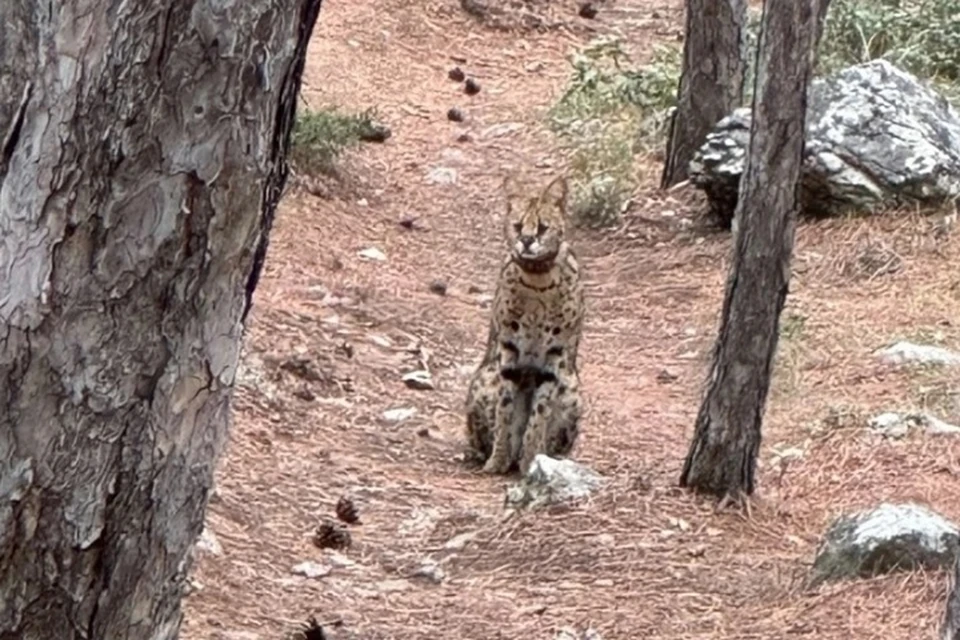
(640, 560)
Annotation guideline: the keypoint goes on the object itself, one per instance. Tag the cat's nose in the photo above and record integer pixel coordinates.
(526, 241)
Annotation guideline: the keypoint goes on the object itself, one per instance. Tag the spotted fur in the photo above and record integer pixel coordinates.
(524, 398)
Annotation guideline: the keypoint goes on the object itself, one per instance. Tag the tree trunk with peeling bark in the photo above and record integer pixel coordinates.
(711, 84)
(142, 155)
(723, 454)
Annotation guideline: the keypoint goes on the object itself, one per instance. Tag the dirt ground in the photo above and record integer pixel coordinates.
(642, 559)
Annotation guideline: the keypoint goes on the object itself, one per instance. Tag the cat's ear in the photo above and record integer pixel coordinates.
(556, 194)
(513, 192)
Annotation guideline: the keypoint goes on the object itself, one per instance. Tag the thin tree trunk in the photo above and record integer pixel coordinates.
(722, 456)
(711, 85)
(951, 617)
(142, 154)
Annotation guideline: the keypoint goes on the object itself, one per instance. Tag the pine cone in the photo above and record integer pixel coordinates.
(313, 631)
(347, 511)
(330, 535)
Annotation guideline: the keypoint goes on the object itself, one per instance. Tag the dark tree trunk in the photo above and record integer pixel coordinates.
(711, 85)
(722, 456)
(951, 617)
(142, 154)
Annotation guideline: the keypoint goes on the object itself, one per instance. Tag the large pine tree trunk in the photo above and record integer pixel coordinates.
(711, 84)
(722, 456)
(142, 149)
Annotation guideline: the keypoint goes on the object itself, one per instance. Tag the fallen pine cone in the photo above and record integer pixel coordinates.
(312, 631)
(330, 535)
(347, 511)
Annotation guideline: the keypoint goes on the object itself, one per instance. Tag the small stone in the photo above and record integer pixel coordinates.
(456, 74)
(438, 287)
(372, 253)
(552, 481)
(407, 221)
(464, 137)
(400, 414)
(459, 541)
(896, 425)
(430, 570)
(569, 633)
(208, 543)
(588, 11)
(193, 586)
(906, 352)
(454, 115)
(471, 87)
(311, 570)
(375, 132)
(340, 561)
(535, 610)
(666, 376)
(419, 380)
(305, 394)
(443, 175)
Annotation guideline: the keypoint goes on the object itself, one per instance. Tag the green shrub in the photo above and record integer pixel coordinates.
(320, 137)
(920, 36)
(609, 112)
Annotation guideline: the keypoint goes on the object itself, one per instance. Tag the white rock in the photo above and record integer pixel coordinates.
(208, 543)
(430, 570)
(442, 175)
(400, 414)
(906, 352)
(936, 426)
(460, 541)
(897, 425)
(310, 569)
(419, 379)
(372, 253)
(884, 539)
(339, 560)
(890, 424)
(550, 481)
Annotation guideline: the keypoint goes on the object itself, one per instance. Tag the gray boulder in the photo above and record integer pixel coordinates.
(552, 481)
(876, 136)
(885, 539)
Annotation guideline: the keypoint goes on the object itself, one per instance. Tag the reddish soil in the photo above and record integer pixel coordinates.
(642, 559)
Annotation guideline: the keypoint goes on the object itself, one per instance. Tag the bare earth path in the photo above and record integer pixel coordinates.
(640, 560)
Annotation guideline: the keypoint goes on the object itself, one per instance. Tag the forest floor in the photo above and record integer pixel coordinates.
(332, 333)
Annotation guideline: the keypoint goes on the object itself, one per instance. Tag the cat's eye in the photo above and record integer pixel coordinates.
(541, 228)
(518, 226)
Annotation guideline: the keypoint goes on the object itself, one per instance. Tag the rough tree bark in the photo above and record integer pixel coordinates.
(722, 456)
(711, 85)
(950, 629)
(142, 154)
